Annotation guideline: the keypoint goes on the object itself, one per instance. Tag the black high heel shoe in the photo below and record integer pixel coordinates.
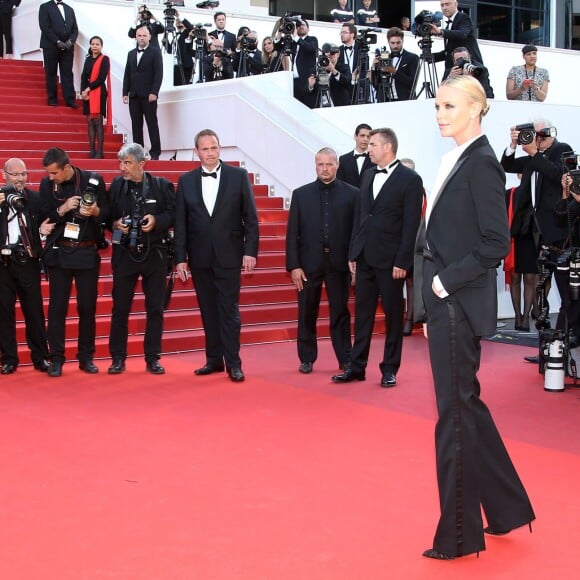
(437, 555)
(490, 531)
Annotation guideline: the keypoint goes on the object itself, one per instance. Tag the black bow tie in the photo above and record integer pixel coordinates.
(59, 3)
(449, 22)
(348, 48)
(206, 174)
(385, 170)
(140, 50)
(357, 155)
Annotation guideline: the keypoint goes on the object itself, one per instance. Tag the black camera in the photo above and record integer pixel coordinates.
(423, 22)
(385, 58)
(469, 68)
(571, 163)
(526, 133)
(89, 195)
(16, 253)
(170, 11)
(14, 198)
(248, 43)
(323, 61)
(574, 282)
(366, 37)
(144, 14)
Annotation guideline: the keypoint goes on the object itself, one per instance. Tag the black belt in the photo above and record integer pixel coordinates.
(74, 244)
(427, 255)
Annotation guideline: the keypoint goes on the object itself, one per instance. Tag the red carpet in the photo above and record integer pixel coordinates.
(282, 477)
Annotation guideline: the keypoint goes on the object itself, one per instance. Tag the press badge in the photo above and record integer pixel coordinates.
(72, 231)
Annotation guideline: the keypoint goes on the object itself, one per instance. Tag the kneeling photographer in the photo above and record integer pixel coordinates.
(536, 197)
(330, 85)
(20, 268)
(142, 212)
(464, 65)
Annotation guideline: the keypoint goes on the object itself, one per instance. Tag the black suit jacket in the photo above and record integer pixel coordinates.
(348, 168)
(462, 33)
(254, 64)
(468, 234)
(405, 75)
(549, 170)
(52, 26)
(304, 243)
(144, 79)
(229, 39)
(354, 59)
(386, 227)
(229, 233)
(32, 218)
(7, 6)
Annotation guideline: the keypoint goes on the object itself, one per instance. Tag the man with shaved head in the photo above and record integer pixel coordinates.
(20, 231)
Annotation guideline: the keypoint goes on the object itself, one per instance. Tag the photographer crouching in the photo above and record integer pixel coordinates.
(20, 230)
(535, 201)
(464, 65)
(142, 212)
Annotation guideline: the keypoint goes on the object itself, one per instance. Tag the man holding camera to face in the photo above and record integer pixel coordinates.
(464, 65)
(539, 191)
(142, 211)
(146, 18)
(21, 248)
(330, 86)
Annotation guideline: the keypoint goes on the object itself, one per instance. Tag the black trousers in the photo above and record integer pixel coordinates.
(60, 61)
(22, 281)
(61, 280)
(337, 289)
(126, 272)
(474, 469)
(140, 107)
(6, 33)
(218, 294)
(370, 284)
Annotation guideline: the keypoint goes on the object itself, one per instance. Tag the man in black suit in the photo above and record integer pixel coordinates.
(319, 229)
(534, 200)
(381, 253)
(394, 82)
(353, 164)
(142, 211)
(20, 227)
(141, 85)
(331, 86)
(183, 69)
(71, 252)
(349, 49)
(465, 65)
(59, 31)
(456, 30)
(247, 59)
(225, 40)
(216, 231)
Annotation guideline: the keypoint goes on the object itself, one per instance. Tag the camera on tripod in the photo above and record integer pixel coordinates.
(527, 133)
(14, 198)
(423, 21)
(385, 58)
(366, 37)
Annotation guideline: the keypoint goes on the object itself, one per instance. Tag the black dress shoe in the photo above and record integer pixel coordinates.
(532, 359)
(305, 368)
(8, 368)
(348, 376)
(155, 368)
(55, 369)
(72, 105)
(388, 380)
(117, 367)
(88, 366)
(436, 555)
(41, 366)
(236, 375)
(208, 369)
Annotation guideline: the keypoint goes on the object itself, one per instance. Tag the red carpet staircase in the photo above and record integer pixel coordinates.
(268, 300)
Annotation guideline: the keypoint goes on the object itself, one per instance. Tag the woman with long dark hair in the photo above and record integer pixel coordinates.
(94, 94)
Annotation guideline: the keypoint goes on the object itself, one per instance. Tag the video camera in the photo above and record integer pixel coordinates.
(469, 68)
(423, 21)
(385, 58)
(366, 37)
(527, 133)
(14, 198)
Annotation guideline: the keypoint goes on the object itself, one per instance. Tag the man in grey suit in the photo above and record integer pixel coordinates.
(141, 85)
(216, 232)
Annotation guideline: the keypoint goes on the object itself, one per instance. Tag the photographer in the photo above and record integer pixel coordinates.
(247, 59)
(183, 69)
(393, 77)
(539, 190)
(76, 202)
(220, 67)
(142, 211)
(464, 65)
(20, 268)
(146, 18)
(332, 81)
(457, 30)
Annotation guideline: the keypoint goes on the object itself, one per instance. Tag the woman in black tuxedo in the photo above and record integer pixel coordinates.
(463, 237)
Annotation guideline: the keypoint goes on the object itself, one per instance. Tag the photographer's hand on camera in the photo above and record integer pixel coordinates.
(92, 210)
(148, 223)
(70, 204)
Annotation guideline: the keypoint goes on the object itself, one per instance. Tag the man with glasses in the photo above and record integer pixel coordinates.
(539, 191)
(76, 202)
(20, 230)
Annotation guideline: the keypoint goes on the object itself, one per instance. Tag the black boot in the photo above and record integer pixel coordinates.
(99, 129)
(92, 135)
